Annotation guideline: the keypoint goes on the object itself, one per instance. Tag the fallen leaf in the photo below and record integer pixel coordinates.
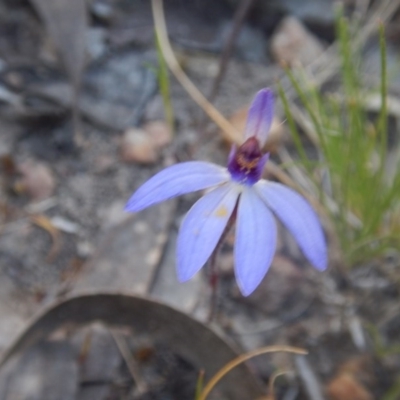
(185, 336)
(348, 383)
(346, 387)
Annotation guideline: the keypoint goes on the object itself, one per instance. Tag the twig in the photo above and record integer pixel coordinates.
(213, 266)
(320, 71)
(240, 15)
(228, 131)
(309, 379)
(76, 116)
(361, 9)
(242, 358)
(325, 66)
(130, 362)
(272, 382)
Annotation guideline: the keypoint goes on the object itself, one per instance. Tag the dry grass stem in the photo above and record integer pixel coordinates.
(242, 358)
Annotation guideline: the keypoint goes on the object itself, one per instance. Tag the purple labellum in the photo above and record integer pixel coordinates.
(247, 162)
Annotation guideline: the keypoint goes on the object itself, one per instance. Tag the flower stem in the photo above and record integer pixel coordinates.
(212, 268)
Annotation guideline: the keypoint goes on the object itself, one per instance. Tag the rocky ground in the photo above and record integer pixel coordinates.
(64, 234)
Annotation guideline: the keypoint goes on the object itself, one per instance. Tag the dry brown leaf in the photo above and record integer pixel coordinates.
(347, 384)
(184, 335)
(346, 387)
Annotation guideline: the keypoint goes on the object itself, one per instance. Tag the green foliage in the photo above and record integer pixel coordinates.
(199, 385)
(381, 349)
(163, 83)
(394, 392)
(350, 171)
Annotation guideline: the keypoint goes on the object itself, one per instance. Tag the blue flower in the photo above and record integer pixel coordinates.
(236, 189)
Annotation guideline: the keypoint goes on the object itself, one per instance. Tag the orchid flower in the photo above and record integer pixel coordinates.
(237, 189)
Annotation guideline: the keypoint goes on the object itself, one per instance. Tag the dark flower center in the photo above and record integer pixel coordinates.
(248, 155)
(246, 164)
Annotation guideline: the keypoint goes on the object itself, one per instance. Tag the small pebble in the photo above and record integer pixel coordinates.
(103, 11)
(159, 132)
(137, 146)
(293, 44)
(37, 180)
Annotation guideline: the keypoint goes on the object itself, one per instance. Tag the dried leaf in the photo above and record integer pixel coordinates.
(346, 387)
(349, 382)
(185, 336)
(309, 379)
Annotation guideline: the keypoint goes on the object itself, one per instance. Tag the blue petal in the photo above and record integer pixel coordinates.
(260, 116)
(255, 241)
(202, 228)
(176, 180)
(299, 218)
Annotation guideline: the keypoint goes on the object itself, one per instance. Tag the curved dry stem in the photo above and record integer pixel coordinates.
(229, 132)
(242, 358)
(272, 382)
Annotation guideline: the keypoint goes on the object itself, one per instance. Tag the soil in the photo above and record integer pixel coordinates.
(63, 230)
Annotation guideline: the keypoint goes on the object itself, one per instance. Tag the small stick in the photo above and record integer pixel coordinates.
(242, 358)
(130, 362)
(310, 381)
(228, 131)
(240, 15)
(213, 278)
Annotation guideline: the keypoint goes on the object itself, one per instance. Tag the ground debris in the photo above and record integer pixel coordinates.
(37, 180)
(352, 380)
(47, 371)
(103, 248)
